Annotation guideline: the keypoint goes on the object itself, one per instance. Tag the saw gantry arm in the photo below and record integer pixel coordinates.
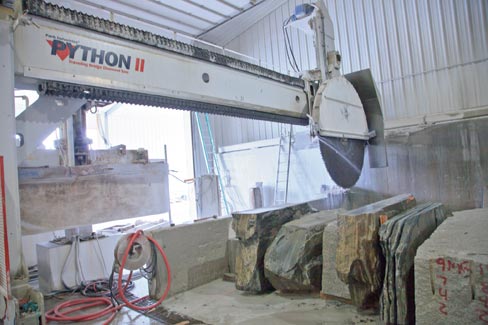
(61, 52)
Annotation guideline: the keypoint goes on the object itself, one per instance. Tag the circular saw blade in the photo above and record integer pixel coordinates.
(343, 159)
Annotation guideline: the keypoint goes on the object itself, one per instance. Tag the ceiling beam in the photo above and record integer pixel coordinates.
(228, 30)
(233, 6)
(182, 11)
(136, 18)
(206, 9)
(135, 7)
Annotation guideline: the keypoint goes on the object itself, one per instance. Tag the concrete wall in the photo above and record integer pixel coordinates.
(447, 163)
(196, 254)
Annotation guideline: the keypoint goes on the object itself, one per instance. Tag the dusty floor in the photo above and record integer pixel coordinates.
(219, 302)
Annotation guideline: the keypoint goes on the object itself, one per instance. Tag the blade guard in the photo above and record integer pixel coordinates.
(338, 111)
(364, 84)
(349, 107)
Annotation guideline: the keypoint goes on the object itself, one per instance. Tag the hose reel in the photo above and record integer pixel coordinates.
(139, 253)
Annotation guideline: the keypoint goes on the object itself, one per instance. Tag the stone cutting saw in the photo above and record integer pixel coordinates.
(64, 53)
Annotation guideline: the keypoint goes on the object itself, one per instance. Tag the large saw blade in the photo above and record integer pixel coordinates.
(343, 159)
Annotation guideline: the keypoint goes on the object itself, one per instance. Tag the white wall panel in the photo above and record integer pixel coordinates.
(228, 131)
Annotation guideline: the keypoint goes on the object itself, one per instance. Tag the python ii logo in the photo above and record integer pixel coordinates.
(93, 57)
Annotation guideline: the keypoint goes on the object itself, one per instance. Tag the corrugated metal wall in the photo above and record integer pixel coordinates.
(427, 57)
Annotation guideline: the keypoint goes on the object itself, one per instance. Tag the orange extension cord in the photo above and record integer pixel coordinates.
(61, 313)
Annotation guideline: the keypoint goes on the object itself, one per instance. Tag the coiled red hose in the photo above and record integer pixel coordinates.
(61, 313)
(122, 264)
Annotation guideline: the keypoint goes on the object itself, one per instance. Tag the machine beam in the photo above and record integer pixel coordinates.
(75, 62)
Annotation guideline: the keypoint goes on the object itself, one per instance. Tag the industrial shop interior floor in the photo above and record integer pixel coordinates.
(218, 302)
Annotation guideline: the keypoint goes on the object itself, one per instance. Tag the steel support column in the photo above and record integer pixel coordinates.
(8, 149)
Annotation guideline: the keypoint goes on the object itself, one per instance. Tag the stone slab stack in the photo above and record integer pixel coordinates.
(359, 261)
(293, 261)
(400, 236)
(451, 271)
(332, 286)
(256, 229)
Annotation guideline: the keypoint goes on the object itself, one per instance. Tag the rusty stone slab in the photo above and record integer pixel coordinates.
(332, 286)
(359, 260)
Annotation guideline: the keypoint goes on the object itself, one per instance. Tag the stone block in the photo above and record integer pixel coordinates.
(332, 286)
(68, 197)
(255, 230)
(359, 261)
(400, 237)
(451, 271)
(293, 261)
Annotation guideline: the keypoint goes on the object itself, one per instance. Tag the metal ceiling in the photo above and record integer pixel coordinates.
(170, 18)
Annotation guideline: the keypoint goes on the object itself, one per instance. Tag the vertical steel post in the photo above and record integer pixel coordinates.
(8, 149)
(169, 203)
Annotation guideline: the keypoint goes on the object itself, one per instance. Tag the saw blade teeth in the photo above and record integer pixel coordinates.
(56, 88)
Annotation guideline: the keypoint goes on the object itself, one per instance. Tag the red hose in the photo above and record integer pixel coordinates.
(122, 264)
(61, 313)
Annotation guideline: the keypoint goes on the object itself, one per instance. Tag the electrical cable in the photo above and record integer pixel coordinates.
(288, 48)
(101, 288)
(75, 287)
(101, 255)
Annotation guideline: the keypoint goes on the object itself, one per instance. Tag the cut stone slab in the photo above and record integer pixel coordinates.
(400, 237)
(255, 230)
(451, 271)
(332, 286)
(293, 261)
(112, 192)
(359, 261)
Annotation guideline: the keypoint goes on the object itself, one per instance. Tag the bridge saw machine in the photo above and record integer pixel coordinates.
(63, 53)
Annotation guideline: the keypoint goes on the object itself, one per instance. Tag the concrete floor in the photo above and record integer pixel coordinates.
(218, 302)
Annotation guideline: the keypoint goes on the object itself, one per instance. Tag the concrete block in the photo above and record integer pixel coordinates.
(293, 261)
(332, 286)
(255, 230)
(51, 258)
(196, 254)
(451, 271)
(359, 261)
